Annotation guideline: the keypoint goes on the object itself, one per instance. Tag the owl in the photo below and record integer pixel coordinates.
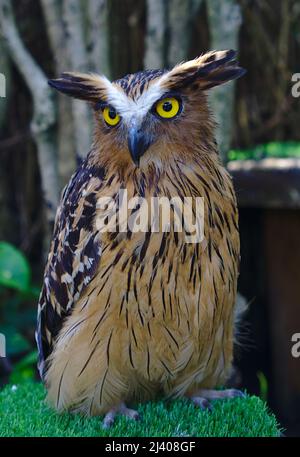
(133, 315)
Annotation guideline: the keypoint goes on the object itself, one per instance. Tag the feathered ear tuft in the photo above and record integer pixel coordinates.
(89, 87)
(209, 70)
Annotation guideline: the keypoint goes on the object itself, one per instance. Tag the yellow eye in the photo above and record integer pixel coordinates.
(167, 107)
(110, 116)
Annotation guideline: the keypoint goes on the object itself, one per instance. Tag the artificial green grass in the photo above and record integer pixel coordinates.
(274, 149)
(23, 412)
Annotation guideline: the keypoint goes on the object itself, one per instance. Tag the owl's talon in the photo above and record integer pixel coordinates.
(108, 420)
(202, 397)
(202, 403)
(122, 410)
(134, 415)
(233, 393)
(211, 394)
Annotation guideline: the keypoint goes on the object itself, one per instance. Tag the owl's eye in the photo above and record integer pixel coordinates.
(168, 107)
(110, 116)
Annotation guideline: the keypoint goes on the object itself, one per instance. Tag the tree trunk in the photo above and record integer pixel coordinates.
(5, 80)
(179, 17)
(42, 124)
(78, 60)
(155, 34)
(52, 10)
(97, 31)
(224, 22)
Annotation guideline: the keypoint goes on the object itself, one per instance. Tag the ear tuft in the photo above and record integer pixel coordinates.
(89, 87)
(209, 70)
(224, 76)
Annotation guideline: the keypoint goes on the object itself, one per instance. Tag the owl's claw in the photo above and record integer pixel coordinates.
(202, 397)
(201, 403)
(122, 410)
(212, 394)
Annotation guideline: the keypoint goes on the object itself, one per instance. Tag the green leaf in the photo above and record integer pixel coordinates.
(263, 384)
(28, 361)
(32, 293)
(14, 268)
(15, 341)
(22, 375)
(25, 368)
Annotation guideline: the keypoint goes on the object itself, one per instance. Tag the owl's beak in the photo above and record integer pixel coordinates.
(138, 143)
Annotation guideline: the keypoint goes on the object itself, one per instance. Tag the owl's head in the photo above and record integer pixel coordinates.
(153, 116)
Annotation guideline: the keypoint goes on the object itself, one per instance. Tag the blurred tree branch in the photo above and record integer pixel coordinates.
(44, 115)
(180, 17)
(225, 20)
(5, 214)
(6, 71)
(155, 34)
(78, 60)
(52, 11)
(53, 16)
(179, 38)
(97, 31)
(168, 31)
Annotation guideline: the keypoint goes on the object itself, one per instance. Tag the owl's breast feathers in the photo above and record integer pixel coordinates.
(143, 302)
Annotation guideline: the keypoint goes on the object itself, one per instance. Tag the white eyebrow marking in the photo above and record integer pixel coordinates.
(127, 107)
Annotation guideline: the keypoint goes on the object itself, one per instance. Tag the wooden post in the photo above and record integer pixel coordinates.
(274, 186)
(282, 257)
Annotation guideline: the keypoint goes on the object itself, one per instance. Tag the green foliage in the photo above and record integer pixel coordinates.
(17, 319)
(14, 268)
(23, 412)
(273, 149)
(263, 384)
(15, 271)
(16, 343)
(24, 369)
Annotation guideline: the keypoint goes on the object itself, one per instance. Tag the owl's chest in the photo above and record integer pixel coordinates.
(153, 279)
(161, 244)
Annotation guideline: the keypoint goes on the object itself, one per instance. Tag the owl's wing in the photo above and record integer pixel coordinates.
(73, 258)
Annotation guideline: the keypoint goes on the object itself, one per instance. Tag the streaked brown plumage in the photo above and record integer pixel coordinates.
(131, 316)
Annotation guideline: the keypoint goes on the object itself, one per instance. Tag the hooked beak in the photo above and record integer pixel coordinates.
(138, 143)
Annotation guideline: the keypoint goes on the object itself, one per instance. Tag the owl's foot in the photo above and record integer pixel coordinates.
(212, 394)
(122, 410)
(202, 397)
(201, 403)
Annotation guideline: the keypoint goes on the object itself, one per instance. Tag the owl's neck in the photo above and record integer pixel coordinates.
(165, 159)
(181, 173)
